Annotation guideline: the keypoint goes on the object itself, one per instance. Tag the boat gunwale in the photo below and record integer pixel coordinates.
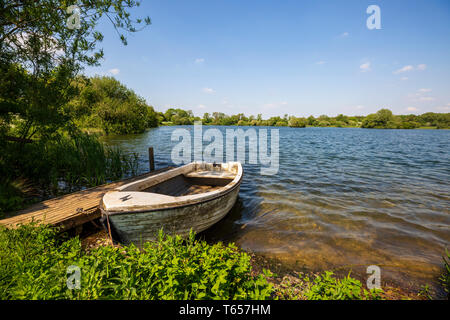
(113, 213)
(207, 196)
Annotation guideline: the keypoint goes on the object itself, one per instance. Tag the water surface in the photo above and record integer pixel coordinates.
(344, 198)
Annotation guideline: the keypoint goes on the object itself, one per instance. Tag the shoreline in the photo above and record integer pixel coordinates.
(287, 282)
(100, 133)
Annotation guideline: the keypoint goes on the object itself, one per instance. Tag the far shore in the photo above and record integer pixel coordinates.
(100, 132)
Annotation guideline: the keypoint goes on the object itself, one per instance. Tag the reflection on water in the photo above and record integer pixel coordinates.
(341, 197)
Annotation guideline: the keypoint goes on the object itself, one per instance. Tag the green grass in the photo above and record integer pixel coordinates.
(81, 160)
(61, 165)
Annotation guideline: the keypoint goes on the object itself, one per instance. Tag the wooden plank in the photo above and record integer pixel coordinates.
(70, 210)
(78, 219)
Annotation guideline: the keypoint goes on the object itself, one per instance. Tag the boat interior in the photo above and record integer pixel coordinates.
(186, 184)
(183, 185)
(191, 179)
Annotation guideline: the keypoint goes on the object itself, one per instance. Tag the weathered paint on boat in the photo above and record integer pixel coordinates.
(136, 217)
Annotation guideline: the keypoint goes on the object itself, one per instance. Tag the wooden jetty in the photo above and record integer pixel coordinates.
(71, 210)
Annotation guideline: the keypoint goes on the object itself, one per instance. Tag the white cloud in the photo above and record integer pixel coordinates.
(114, 71)
(421, 67)
(359, 107)
(201, 106)
(208, 90)
(365, 67)
(407, 68)
(321, 62)
(412, 109)
(404, 78)
(199, 60)
(404, 69)
(345, 34)
(420, 95)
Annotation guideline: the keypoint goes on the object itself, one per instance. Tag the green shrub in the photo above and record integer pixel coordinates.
(409, 125)
(327, 287)
(34, 263)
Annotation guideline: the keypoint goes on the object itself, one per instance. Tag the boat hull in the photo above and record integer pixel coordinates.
(140, 226)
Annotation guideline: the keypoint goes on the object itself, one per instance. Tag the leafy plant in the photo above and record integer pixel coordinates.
(34, 261)
(327, 287)
(445, 277)
(425, 292)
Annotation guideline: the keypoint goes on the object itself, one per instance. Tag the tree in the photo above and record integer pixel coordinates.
(342, 118)
(311, 121)
(383, 119)
(103, 102)
(40, 56)
(206, 118)
(297, 122)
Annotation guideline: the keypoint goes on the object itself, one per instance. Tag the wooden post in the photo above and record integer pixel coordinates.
(151, 159)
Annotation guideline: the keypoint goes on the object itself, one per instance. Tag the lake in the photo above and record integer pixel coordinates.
(343, 199)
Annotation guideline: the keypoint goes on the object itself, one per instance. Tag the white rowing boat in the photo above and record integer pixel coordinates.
(194, 196)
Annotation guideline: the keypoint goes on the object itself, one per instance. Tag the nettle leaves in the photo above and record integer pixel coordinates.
(34, 261)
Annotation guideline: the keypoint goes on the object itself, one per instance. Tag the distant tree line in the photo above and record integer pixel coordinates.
(106, 104)
(103, 103)
(383, 119)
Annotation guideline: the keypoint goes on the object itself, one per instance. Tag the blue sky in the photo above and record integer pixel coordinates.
(276, 57)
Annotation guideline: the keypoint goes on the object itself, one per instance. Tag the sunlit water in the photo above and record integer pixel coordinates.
(342, 199)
